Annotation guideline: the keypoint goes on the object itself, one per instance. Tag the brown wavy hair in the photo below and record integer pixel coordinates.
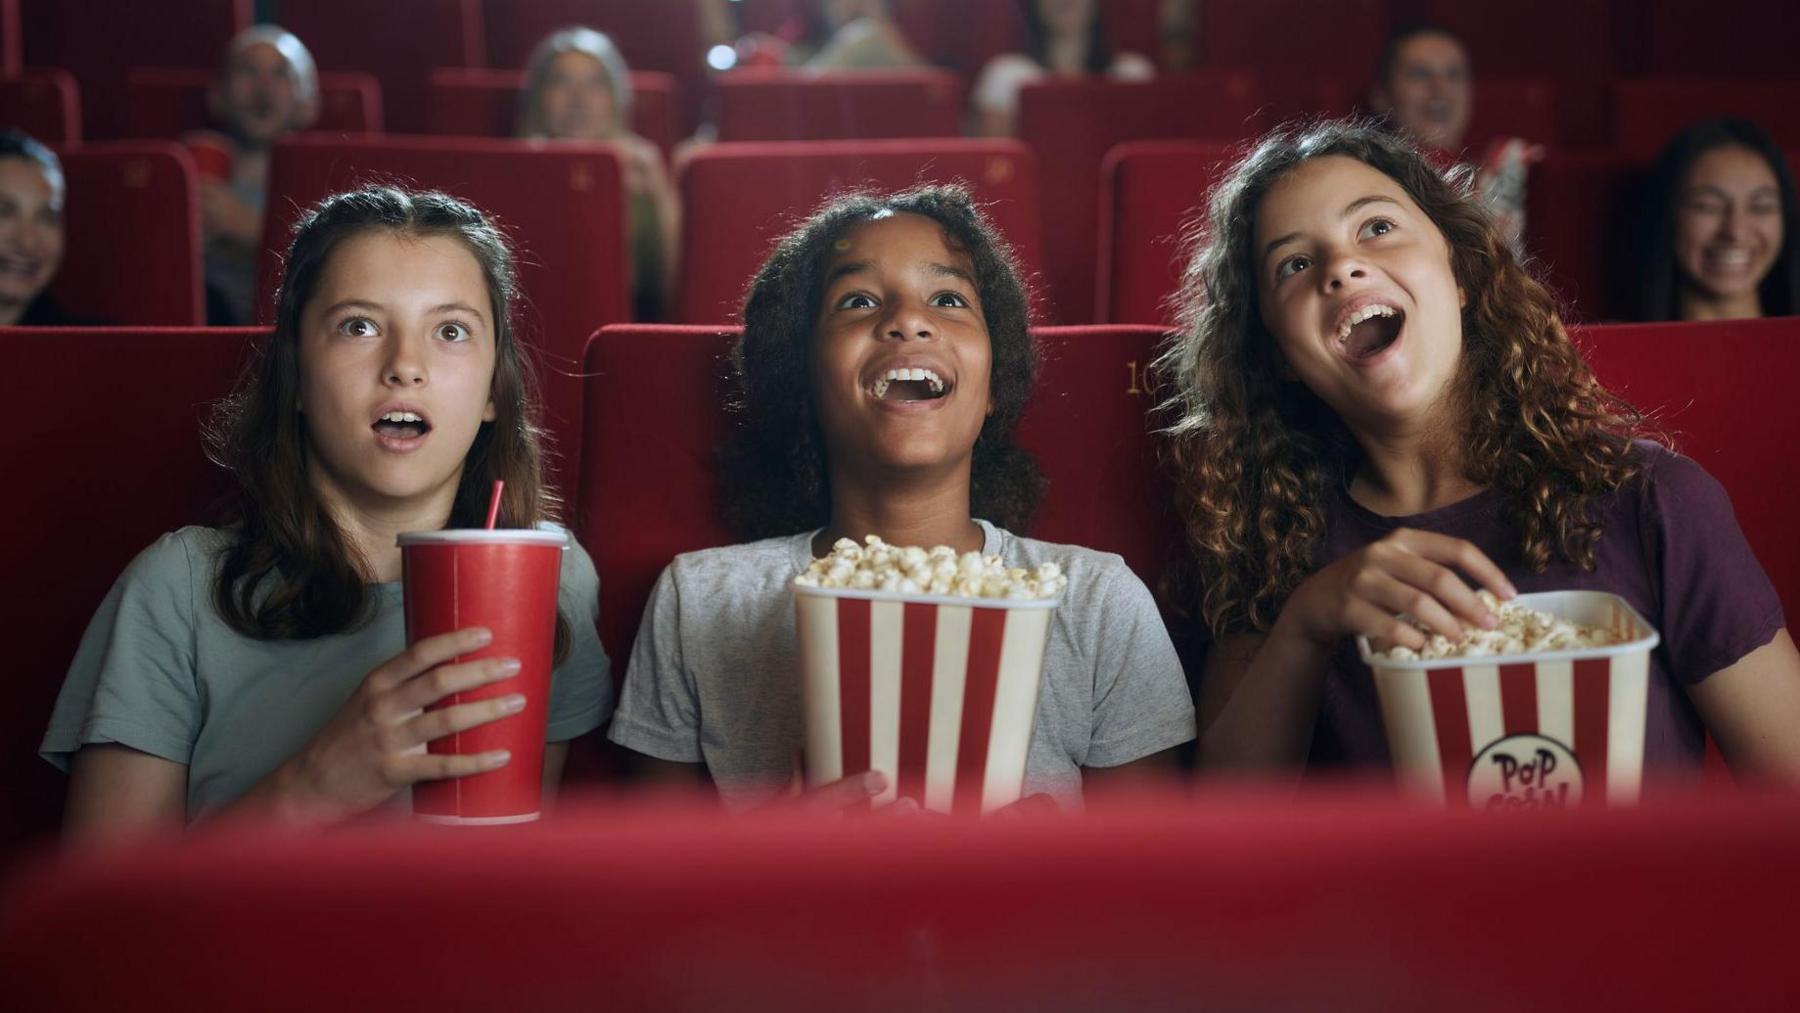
(288, 572)
(1256, 455)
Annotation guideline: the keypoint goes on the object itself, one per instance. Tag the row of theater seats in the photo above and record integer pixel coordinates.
(99, 475)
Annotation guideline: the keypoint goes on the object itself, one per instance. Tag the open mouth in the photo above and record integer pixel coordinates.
(401, 425)
(914, 384)
(19, 267)
(1369, 330)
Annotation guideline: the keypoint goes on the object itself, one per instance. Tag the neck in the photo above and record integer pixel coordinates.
(1693, 305)
(371, 529)
(1412, 470)
(1065, 54)
(923, 514)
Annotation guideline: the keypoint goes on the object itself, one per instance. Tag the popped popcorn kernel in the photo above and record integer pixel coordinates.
(939, 570)
(1522, 630)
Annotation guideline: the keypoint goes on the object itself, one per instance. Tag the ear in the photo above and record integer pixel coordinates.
(1462, 298)
(490, 413)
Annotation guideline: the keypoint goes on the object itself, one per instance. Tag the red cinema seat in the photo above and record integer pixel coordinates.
(132, 218)
(478, 102)
(44, 103)
(1721, 38)
(1648, 113)
(102, 486)
(97, 40)
(1723, 391)
(1071, 125)
(562, 205)
(740, 198)
(788, 105)
(398, 41)
(11, 59)
(1575, 46)
(651, 35)
(1224, 901)
(1520, 107)
(170, 101)
(1286, 47)
(1576, 207)
(1152, 191)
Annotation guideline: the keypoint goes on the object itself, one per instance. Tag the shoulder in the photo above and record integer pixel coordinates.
(1095, 577)
(1671, 477)
(185, 557)
(1007, 72)
(746, 568)
(1128, 66)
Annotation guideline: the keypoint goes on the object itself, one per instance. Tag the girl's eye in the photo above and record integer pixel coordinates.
(1377, 227)
(453, 332)
(1291, 266)
(855, 301)
(357, 327)
(949, 299)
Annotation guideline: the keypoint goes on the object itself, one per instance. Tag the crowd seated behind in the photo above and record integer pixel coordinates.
(31, 233)
(1067, 39)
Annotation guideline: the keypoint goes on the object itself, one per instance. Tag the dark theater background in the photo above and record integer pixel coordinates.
(639, 228)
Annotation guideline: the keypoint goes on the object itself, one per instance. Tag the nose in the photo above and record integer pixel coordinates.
(908, 322)
(405, 365)
(1341, 269)
(1729, 222)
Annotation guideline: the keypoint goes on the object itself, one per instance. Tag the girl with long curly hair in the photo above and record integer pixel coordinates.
(262, 667)
(1378, 407)
(841, 437)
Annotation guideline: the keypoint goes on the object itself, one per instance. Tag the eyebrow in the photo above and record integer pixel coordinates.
(1349, 209)
(448, 307)
(937, 269)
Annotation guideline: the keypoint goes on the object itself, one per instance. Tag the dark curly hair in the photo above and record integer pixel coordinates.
(1255, 455)
(774, 469)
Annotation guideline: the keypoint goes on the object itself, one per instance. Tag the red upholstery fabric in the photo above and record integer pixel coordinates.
(1224, 901)
(398, 41)
(170, 101)
(1723, 391)
(1575, 210)
(1152, 190)
(12, 60)
(730, 224)
(44, 103)
(1289, 46)
(133, 226)
(96, 40)
(1573, 45)
(477, 102)
(1072, 125)
(649, 478)
(786, 105)
(651, 34)
(563, 206)
(1647, 113)
(1720, 38)
(95, 488)
(1521, 107)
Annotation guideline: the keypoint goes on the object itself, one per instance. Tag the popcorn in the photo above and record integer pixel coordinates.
(1522, 630)
(939, 570)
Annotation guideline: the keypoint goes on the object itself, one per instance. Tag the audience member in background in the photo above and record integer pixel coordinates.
(1425, 90)
(31, 232)
(1067, 39)
(262, 668)
(266, 88)
(1380, 408)
(833, 447)
(833, 35)
(1717, 233)
(577, 88)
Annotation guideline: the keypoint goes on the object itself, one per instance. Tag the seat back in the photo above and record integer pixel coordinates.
(1576, 212)
(95, 488)
(1648, 113)
(45, 103)
(1071, 125)
(398, 41)
(1718, 388)
(562, 205)
(170, 101)
(740, 198)
(1153, 190)
(132, 222)
(1517, 107)
(1287, 47)
(1574, 48)
(97, 40)
(790, 105)
(478, 102)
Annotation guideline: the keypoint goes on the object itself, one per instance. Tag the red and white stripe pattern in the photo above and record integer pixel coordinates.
(1440, 719)
(941, 698)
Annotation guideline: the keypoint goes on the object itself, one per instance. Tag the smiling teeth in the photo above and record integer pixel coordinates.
(401, 417)
(1366, 313)
(936, 382)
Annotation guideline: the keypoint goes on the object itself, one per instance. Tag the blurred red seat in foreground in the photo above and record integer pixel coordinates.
(43, 103)
(132, 217)
(1218, 901)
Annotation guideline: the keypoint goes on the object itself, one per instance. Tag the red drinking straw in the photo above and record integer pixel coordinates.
(494, 503)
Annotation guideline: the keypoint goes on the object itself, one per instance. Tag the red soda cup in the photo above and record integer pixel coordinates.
(212, 159)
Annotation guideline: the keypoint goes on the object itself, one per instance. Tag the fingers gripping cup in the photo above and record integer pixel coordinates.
(1557, 727)
(506, 581)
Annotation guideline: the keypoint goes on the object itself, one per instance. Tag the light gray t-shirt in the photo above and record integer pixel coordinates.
(714, 674)
(159, 670)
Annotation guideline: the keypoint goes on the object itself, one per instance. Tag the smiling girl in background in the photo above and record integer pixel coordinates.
(1378, 406)
(262, 667)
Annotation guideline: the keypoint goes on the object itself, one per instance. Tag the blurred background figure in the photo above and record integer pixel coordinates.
(31, 232)
(578, 88)
(1716, 229)
(267, 87)
(1424, 88)
(827, 35)
(1066, 38)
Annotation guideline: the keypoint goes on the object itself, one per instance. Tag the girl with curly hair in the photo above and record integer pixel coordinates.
(841, 438)
(1377, 407)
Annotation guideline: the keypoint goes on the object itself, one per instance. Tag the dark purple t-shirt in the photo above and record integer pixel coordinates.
(1670, 546)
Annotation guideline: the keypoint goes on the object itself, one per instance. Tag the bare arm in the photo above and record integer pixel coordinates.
(117, 792)
(1753, 710)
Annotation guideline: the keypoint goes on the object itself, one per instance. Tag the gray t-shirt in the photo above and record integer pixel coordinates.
(159, 670)
(714, 674)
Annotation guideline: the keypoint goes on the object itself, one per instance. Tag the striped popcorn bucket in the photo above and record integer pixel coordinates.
(938, 693)
(1554, 729)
